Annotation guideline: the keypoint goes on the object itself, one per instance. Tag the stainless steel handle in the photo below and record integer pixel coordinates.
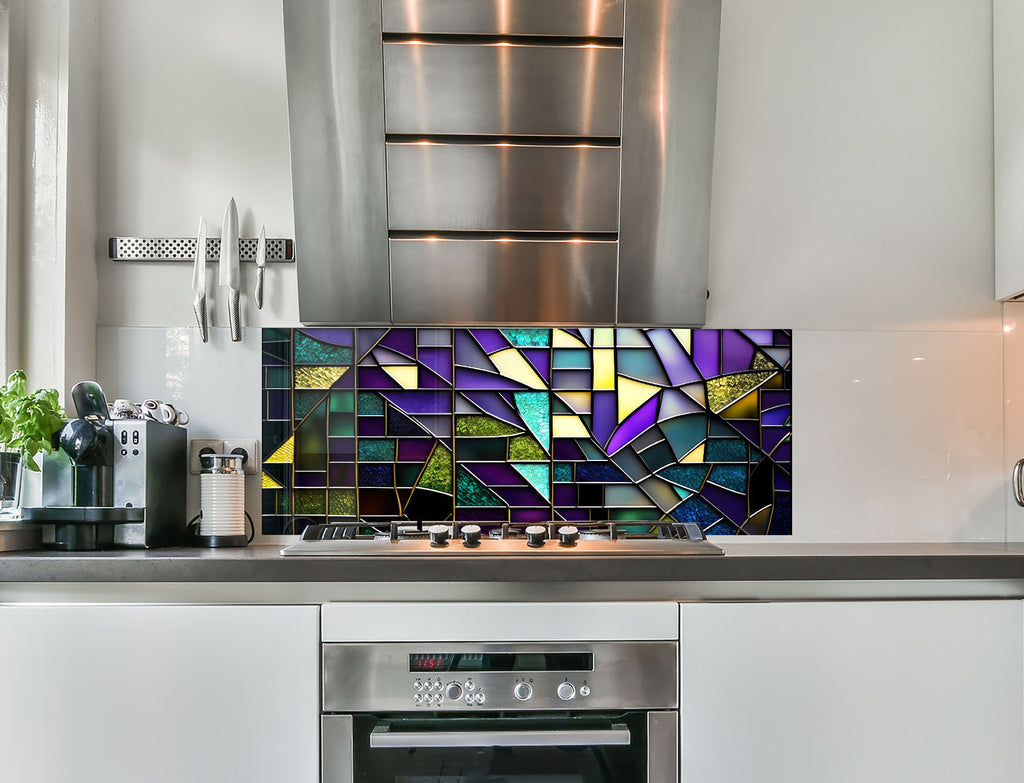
(258, 294)
(383, 737)
(1018, 487)
(234, 318)
(199, 306)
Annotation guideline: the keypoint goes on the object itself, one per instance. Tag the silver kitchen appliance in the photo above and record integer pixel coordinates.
(519, 711)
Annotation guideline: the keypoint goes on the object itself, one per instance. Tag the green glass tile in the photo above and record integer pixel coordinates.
(438, 473)
(528, 337)
(631, 338)
(535, 408)
(371, 404)
(563, 471)
(725, 450)
(342, 425)
(341, 402)
(590, 449)
(306, 350)
(407, 473)
(276, 335)
(630, 514)
(640, 364)
(284, 501)
(306, 400)
(524, 448)
(732, 477)
(571, 359)
(377, 449)
(689, 476)
(310, 501)
(539, 476)
(482, 449)
(483, 426)
(470, 492)
(625, 495)
(341, 502)
(277, 378)
(685, 433)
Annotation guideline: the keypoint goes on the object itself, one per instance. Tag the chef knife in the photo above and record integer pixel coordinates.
(261, 262)
(229, 275)
(199, 281)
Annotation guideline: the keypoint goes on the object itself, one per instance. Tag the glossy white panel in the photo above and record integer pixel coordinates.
(1008, 132)
(897, 436)
(1013, 395)
(853, 166)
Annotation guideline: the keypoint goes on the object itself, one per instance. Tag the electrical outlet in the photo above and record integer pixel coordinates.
(249, 449)
(198, 446)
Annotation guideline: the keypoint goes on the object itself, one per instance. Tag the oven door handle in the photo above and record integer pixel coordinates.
(382, 737)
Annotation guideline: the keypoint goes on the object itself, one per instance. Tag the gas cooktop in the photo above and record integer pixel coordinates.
(466, 539)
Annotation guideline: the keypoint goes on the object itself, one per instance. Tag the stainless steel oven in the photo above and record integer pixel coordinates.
(518, 712)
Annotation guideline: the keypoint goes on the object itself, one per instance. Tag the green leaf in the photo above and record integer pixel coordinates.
(28, 422)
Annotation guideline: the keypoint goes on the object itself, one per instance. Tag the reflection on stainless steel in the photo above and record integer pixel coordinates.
(502, 187)
(336, 748)
(382, 736)
(662, 731)
(668, 128)
(504, 90)
(336, 121)
(592, 18)
(481, 281)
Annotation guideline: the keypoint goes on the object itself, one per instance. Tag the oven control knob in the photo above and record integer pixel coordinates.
(471, 535)
(522, 691)
(566, 691)
(453, 691)
(535, 535)
(568, 535)
(438, 535)
(584, 690)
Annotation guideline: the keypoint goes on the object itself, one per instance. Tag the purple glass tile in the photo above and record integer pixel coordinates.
(481, 514)
(366, 339)
(639, 421)
(490, 340)
(783, 337)
(782, 482)
(732, 505)
(475, 379)
(494, 473)
(427, 380)
(578, 334)
(279, 404)
(604, 416)
(760, 336)
(402, 341)
(674, 359)
(370, 426)
(304, 478)
(737, 352)
(705, 352)
(331, 336)
(341, 474)
(566, 450)
(573, 514)
(675, 403)
(571, 380)
(342, 449)
(772, 437)
(469, 354)
(437, 359)
(439, 426)
(519, 496)
(565, 495)
(385, 356)
(420, 401)
(773, 398)
(375, 378)
(523, 515)
(783, 452)
(540, 358)
(494, 404)
(750, 430)
(414, 449)
(776, 416)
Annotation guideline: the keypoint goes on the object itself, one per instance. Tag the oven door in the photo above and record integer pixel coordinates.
(630, 747)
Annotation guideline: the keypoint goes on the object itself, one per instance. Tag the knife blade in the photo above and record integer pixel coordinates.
(229, 274)
(199, 281)
(261, 262)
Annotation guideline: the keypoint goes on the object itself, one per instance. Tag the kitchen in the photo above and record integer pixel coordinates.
(852, 202)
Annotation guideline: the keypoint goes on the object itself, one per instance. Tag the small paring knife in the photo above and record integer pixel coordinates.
(261, 262)
(229, 274)
(199, 282)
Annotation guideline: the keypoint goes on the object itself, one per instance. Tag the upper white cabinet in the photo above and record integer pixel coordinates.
(1008, 133)
(161, 694)
(852, 692)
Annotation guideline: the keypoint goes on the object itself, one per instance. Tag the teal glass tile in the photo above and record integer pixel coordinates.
(370, 404)
(341, 425)
(563, 471)
(306, 350)
(732, 477)
(277, 378)
(725, 450)
(377, 449)
(341, 402)
(571, 359)
(470, 492)
(535, 408)
(528, 337)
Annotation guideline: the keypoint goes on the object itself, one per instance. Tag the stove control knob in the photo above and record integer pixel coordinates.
(438, 535)
(471, 535)
(535, 535)
(453, 691)
(568, 535)
(566, 691)
(522, 691)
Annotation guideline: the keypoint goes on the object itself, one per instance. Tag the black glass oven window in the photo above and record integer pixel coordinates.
(502, 662)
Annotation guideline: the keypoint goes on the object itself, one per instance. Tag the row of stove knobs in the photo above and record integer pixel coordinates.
(536, 535)
(454, 691)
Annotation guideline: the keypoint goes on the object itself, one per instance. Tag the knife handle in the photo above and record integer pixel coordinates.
(234, 317)
(199, 306)
(258, 294)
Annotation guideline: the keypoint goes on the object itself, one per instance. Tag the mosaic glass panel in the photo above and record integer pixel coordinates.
(521, 425)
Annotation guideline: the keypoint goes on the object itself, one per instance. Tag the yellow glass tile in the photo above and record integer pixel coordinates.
(604, 368)
(724, 390)
(747, 407)
(579, 401)
(269, 483)
(564, 426)
(317, 377)
(762, 362)
(685, 337)
(696, 455)
(285, 453)
(695, 391)
(633, 394)
(775, 382)
(513, 365)
(405, 375)
(604, 338)
(562, 339)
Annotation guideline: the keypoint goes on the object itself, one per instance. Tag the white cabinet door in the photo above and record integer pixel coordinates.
(852, 692)
(159, 694)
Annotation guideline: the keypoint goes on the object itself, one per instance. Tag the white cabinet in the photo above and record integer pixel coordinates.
(159, 694)
(852, 692)
(1008, 152)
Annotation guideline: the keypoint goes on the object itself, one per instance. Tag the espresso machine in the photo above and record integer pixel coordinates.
(112, 483)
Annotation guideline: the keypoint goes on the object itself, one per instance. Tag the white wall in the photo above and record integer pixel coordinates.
(852, 202)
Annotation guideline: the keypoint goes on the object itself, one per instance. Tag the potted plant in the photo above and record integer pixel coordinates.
(28, 422)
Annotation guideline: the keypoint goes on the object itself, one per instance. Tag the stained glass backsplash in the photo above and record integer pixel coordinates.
(520, 425)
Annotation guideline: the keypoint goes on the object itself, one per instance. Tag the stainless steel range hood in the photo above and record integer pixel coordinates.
(502, 161)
